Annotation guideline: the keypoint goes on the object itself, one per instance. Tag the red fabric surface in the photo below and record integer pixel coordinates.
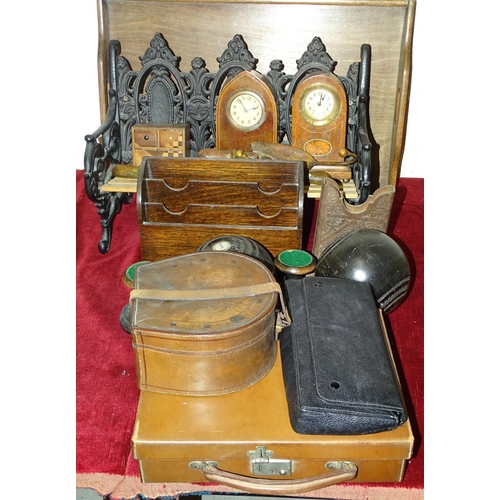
(106, 390)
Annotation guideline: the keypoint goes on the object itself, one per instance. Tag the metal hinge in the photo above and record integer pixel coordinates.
(263, 465)
(199, 465)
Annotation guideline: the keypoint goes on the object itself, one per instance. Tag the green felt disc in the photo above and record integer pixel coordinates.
(129, 274)
(295, 258)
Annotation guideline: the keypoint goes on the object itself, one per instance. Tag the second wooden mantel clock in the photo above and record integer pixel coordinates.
(246, 111)
(319, 117)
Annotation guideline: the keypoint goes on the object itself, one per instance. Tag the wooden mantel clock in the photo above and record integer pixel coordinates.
(246, 111)
(319, 117)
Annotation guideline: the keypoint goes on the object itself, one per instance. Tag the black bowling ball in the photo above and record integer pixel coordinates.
(370, 256)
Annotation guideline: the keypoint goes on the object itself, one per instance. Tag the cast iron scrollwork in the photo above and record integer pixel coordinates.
(279, 81)
(102, 152)
(160, 92)
(198, 106)
(361, 143)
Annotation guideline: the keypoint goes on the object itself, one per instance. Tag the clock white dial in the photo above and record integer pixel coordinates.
(246, 110)
(319, 105)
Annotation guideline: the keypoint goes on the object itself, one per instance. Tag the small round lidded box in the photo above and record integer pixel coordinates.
(204, 323)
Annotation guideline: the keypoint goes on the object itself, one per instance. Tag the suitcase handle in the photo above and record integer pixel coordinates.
(345, 472)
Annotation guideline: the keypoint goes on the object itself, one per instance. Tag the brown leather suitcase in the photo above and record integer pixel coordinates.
(244, 440)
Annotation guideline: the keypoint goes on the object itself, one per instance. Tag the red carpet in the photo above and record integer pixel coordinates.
(106, 389)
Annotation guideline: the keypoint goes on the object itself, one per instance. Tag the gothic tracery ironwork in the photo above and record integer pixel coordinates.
(160, 92)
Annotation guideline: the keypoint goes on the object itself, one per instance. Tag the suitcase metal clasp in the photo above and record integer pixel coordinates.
(263, 465)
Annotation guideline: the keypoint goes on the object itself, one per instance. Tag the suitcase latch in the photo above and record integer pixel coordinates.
(263, 465)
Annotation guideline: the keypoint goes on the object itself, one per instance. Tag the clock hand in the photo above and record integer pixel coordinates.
(321, 97)
(243, 105)
(249, 109)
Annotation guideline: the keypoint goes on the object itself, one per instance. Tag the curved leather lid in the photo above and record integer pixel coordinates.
(198, 272)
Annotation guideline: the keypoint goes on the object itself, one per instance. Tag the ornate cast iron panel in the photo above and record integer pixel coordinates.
(161, 93)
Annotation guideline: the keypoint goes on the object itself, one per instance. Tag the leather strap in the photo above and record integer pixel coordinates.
(206, 294)
(283, 319)
(347, 472)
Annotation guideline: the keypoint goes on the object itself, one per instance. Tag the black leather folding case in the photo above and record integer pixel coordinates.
(337, 367)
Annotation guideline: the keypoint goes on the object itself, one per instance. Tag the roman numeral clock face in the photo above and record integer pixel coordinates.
(246, 110)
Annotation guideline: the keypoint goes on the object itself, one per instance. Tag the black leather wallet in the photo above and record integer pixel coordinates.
(338, 371)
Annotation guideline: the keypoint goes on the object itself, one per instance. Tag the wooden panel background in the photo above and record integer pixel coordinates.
(281, 30)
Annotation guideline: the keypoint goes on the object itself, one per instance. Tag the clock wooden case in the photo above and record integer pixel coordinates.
(246, 111)
(319, 117)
